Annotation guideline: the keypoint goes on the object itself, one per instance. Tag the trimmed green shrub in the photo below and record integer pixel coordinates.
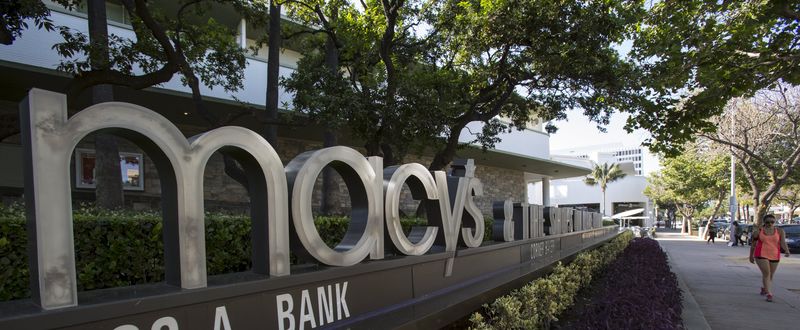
(14, 272)
(538, 303)
(122, 248)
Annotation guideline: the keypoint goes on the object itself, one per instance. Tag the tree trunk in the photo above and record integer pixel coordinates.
(329, 137)
(747, 213)
(273, 67)
(761, 211)
(739, 214)
(671, 217)
(446, 155)
(689, 226)
(718, 204)
(373, 148)
(683, 226)
(107, 175)
(604, 202)
(327, 201)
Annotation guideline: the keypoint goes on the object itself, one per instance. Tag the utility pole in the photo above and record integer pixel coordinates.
(733, 208)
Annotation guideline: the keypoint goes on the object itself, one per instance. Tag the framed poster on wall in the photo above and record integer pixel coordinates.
(131, 169)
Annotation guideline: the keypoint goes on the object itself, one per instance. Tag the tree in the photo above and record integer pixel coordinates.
(556, 55)
(790, 195)
(689, 181)
(602, 175)
(763, 134)
(376, 50)
(706, 53)
(403, 87)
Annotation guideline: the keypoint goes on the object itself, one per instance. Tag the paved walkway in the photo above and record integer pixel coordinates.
(726, 286)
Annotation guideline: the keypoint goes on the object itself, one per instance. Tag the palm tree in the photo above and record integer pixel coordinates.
(603, 175)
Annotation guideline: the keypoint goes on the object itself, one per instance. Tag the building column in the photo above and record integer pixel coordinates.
(243, 33)
(546, 191)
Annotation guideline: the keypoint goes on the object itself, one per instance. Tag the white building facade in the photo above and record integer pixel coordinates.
(622, 195)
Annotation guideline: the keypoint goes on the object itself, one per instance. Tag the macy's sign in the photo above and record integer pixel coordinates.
(281, 197)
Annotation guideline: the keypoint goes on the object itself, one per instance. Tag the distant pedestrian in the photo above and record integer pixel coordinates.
(766, 251)
(711, 231)
(734, 233)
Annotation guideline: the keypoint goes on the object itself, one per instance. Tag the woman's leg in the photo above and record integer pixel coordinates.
(773, 266)
(766, 276)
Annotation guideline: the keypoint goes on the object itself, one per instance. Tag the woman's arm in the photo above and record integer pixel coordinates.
(783, 242)
(753, 244)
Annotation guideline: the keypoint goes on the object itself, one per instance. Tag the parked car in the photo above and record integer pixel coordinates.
(792, 237)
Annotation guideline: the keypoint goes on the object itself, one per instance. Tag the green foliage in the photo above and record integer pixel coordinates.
(538, 303)
(120, 248)
(520, 60)
(169, 40)
(14, 272)
(602, 175)
(699, 54)
(690, 180)
(15, 16)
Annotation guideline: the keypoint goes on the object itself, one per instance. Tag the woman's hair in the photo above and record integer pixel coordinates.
(769, 216)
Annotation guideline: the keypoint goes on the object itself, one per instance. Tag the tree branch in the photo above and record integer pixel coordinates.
(741, 148)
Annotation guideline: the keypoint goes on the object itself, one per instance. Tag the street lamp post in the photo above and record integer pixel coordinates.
(733, 206)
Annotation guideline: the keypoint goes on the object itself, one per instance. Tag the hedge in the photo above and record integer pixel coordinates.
(122, 248)
(538, 303)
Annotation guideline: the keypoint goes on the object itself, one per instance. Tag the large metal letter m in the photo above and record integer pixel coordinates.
(49, 139)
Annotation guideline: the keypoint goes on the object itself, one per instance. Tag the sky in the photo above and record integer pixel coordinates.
(578, 131)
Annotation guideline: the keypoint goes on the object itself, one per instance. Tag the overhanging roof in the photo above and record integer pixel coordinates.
(629, 214)
(514, 161)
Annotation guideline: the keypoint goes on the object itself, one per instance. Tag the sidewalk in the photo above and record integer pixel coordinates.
(725, 285)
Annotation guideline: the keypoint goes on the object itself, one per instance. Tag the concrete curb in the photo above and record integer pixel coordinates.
(691, 314)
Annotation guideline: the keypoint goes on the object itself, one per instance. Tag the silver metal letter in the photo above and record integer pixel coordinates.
(473, 237)
(365, 233)
(49, 139)
(422, 187)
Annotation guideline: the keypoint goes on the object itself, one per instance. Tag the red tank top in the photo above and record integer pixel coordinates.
(768, 245)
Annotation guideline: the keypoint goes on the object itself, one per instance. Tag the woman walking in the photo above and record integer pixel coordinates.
(711, 231)
(766, 252)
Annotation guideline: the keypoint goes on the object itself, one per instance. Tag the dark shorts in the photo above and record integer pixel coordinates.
(770, 261)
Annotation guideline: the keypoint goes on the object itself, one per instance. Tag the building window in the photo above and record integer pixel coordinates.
(115, 11)
(131, 169)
